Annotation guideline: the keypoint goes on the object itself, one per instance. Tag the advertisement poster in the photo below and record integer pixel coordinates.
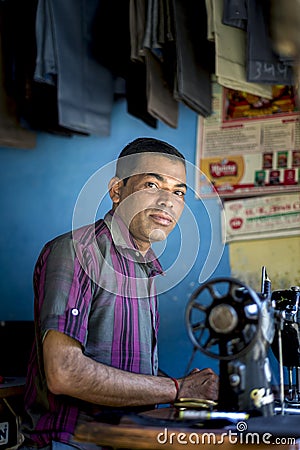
(261, 217)
(249, 145)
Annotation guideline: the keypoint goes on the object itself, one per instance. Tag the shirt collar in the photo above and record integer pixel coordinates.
(124, 241)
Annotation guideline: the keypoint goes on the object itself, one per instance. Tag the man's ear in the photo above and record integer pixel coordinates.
(114, 187)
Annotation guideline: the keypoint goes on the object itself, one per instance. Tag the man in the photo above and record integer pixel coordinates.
(96, 310)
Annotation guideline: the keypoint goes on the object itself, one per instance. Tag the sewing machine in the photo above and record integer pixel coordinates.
(228, 321)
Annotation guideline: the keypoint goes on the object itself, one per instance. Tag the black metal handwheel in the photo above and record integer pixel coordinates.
(223, 318)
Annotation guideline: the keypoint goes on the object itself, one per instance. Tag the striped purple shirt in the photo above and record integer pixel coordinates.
(96, 287)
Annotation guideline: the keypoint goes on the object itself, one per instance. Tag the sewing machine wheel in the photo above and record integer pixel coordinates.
(223, 318)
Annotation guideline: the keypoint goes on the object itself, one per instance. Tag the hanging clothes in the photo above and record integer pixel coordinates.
(195, 56)
(137, 23)
(159, 54)
(160, 101)
(112, 48)
(15, 73)
(231, 53)
(263, 64)
(12, 134)
(235, 13)
(85, 88)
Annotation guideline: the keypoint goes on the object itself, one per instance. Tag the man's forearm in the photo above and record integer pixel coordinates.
(70, 372)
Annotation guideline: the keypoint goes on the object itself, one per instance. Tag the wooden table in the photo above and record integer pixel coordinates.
(130, 435)
(12, 386)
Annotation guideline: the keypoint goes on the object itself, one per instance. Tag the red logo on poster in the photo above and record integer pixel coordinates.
(225, 169)
(236, 223)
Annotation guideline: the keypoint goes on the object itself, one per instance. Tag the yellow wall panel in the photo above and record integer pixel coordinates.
(281, 256)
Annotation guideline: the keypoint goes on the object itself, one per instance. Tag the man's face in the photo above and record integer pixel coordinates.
(152, 200)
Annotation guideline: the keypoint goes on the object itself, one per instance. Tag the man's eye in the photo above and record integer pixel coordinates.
(151, 185)
(179, 193)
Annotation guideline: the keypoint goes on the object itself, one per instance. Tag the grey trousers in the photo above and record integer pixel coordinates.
(64, 57)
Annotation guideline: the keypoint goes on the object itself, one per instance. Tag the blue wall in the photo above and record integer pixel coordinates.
(39, 190)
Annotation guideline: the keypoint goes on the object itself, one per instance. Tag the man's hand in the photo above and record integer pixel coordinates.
(201, 384)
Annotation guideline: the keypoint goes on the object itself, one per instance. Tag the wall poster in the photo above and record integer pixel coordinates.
(261, 217)
(249, 145)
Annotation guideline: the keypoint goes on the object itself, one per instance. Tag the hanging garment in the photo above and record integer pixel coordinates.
(84, 87)
(136, 90)
(159, 24)
(136, 82)
(284, 30)
(137, 23)
(111, 47)
(12, 84)
(35, 103)
(12, 134)
(160, 101)
(151, 39)
(195, 56)
(263, 64)
(110, 36)
(159, 55)
(235, 13)
(231, 47)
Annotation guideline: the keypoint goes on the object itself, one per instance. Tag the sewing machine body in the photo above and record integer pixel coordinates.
(230, 322)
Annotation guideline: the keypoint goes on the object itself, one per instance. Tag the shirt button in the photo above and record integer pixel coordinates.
(75, 312)
(137, 253)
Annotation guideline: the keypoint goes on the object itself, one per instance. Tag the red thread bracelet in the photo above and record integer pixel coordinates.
(177, 387)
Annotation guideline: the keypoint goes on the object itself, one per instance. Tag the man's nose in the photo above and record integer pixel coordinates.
(165, 199)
